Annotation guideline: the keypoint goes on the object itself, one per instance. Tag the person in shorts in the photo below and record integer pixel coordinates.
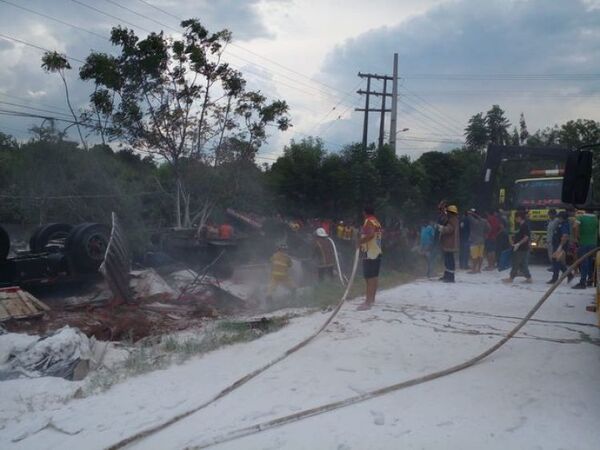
(370, 247)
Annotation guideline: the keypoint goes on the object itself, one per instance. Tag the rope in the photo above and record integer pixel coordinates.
(241, 381)
(236, 434)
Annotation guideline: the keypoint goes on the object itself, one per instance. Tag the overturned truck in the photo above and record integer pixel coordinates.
(58, 252)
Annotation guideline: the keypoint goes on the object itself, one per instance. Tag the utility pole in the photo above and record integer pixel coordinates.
(367, 110)
(393, 119)
(382, 121)
(366, 119)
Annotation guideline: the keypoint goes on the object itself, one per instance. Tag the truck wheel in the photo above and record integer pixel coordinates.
(86, 246)
(46, 233)
(4, 244)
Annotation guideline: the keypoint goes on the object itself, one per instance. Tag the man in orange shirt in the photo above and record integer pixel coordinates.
(225, 231)
(370, 246)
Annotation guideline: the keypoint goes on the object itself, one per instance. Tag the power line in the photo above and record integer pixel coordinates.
(25, 99)
(428, 117)
(99, 11)
(451, 121)
(90, 196)
(505, 76)
(37, 13)
(251, 52)
(440, 141)
(32, 108)
(20, 41)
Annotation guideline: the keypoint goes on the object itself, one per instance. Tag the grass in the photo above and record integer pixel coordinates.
(148, 357)
(329, 292)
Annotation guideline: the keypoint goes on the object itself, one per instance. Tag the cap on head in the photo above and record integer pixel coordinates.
(452, 209)
(321, 232)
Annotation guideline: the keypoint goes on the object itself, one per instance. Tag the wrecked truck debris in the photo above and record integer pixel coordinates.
(16, 303)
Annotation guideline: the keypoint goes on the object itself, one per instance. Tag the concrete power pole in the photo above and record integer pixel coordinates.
(367, 109)
(366, 120)
(393, 118)
(382, 120)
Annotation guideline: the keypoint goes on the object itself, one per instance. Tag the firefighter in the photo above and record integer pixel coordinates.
(339, 231)
(348, 232)
(449, 238)
(280, 271)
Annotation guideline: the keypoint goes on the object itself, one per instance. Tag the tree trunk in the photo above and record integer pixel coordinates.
(178, 205)
(218, 150)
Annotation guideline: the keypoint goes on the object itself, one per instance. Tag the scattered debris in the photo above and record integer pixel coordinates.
(67, 353)
(147, 285)
(16, 303)
(117, 263)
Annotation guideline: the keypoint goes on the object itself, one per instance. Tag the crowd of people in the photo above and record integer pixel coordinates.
(482, 241)
(479, 238)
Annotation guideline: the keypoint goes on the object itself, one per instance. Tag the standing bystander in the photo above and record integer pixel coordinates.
(520, 256)
(449, 239)
(370, 246)
(587, 236)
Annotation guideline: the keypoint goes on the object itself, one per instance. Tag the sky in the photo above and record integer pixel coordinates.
(456, 58)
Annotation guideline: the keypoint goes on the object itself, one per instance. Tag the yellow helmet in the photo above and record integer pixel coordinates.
(453, 209)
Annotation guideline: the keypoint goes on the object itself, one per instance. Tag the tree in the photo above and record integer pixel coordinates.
(497, 126)
(523, 133)
(296, 177)
(476, 133)
(515, 139)
(162, 95)
(54, 62)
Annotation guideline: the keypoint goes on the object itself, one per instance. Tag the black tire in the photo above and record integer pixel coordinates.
(45, 233)
(4, 244)
(86, 246)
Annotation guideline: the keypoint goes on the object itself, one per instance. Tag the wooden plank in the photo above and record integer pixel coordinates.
(18, 304)
(4, 314)
(26, 305)
(39, 305)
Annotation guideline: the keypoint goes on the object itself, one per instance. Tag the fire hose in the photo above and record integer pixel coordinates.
(343, 279)
(243, 380)
(275, 423)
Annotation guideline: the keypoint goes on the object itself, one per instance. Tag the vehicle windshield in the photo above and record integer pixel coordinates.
(538, 193)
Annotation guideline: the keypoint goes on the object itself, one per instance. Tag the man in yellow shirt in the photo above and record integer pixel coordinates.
(370, 246)
(280, 271)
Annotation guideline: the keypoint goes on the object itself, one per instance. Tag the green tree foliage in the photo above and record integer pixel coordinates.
(523, 133)
(476, 133)
(497, 126)
(163, 96)
(50, 179)
(309, 182)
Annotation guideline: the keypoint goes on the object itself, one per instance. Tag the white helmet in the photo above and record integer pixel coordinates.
(321, 232)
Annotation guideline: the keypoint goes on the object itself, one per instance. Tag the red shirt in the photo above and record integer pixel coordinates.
(225, 231)
(495, 227)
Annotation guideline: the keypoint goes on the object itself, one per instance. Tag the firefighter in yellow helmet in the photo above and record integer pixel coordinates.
(448, 228)
(280, 271)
